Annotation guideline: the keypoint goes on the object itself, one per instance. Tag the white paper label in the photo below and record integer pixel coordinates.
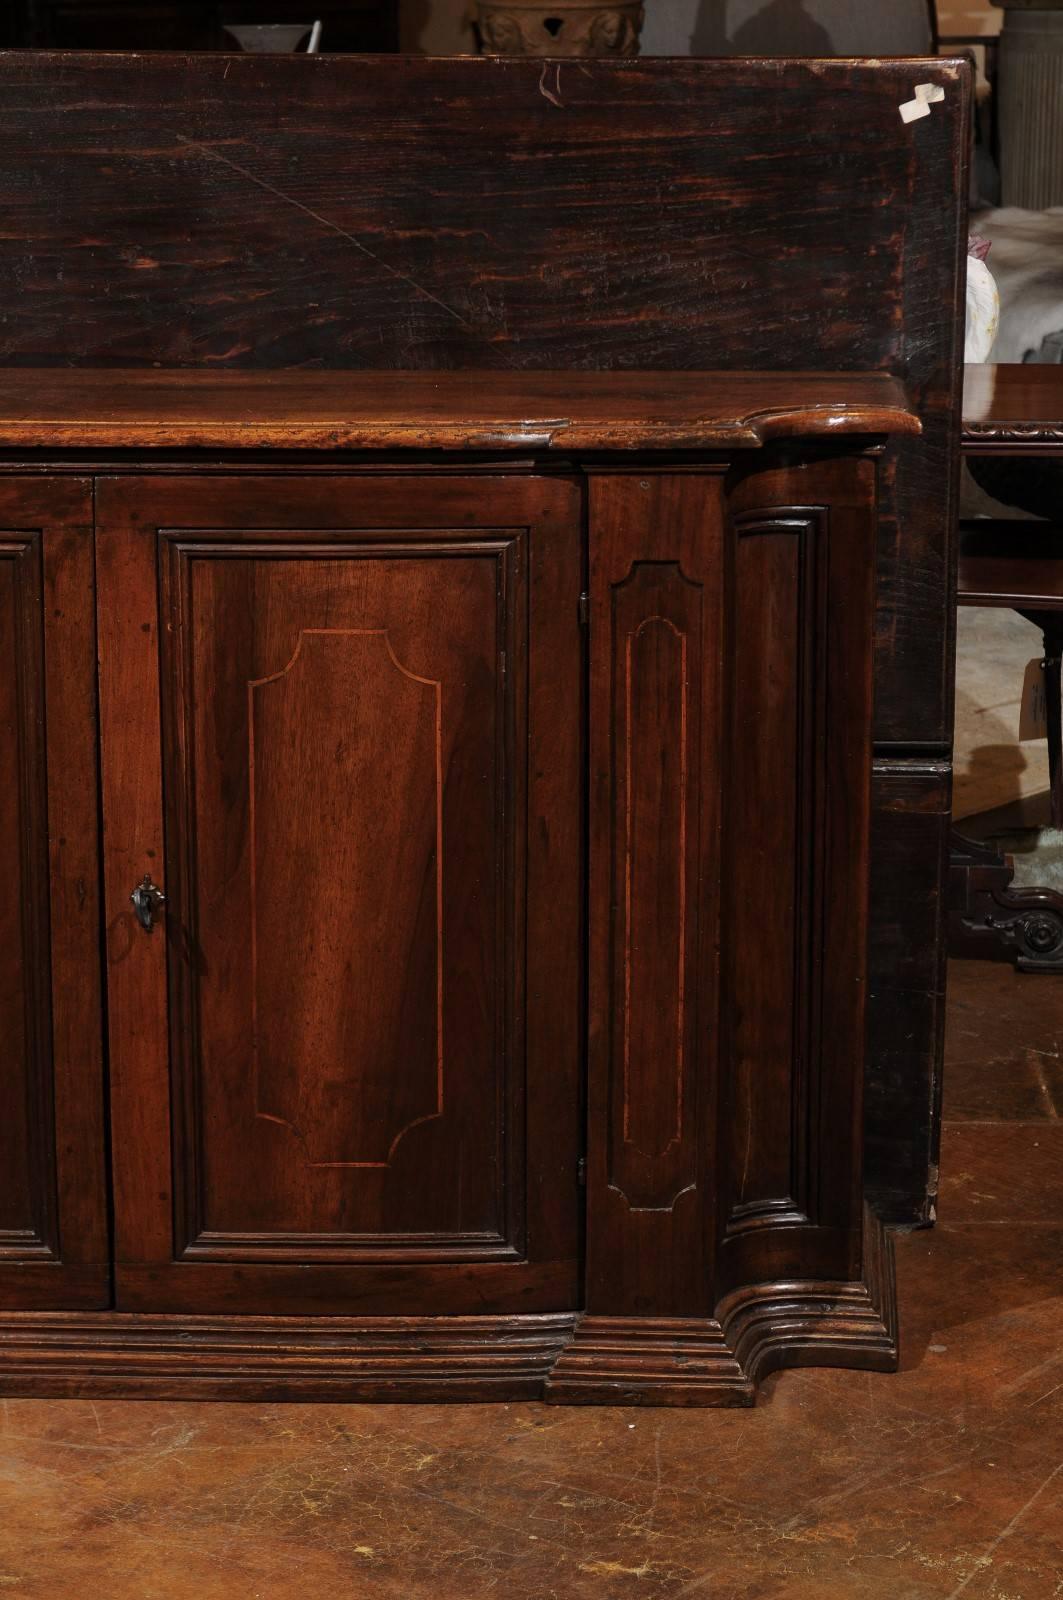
(1033, 712)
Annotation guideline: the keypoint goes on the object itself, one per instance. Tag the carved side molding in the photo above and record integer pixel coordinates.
(979, 435)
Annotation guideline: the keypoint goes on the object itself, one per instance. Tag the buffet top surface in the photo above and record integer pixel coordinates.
(82, 408)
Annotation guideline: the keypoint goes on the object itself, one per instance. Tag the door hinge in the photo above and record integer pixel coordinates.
(581, 1170)
(584, 609)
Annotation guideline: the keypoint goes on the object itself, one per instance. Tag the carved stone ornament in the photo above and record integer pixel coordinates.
(563, 28)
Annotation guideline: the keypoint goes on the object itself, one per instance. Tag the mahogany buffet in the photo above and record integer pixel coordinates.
(455, 821)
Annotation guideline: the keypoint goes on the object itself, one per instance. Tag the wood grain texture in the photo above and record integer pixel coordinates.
(257, 212)
(262, 214)
(911, 803)
(758, 1329)
(1010, 563)
(53, 1218)
(559, 1357)
(656, 585)
(796, 812)
(137, 1355)
(1013, 410)
(730, 699)
(77, 410)
(366, 747)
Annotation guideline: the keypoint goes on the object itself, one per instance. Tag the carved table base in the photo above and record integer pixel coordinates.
(988, 917)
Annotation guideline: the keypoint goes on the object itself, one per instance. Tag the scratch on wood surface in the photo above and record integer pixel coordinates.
(616, 1569)
(554, 94)
(213, 154)
(986, 1560)
(1038, 1371)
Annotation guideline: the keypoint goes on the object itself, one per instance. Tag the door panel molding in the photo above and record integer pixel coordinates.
(257, 582)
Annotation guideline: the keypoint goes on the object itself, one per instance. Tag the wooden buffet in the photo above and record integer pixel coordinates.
(442, 719)
(527, 682)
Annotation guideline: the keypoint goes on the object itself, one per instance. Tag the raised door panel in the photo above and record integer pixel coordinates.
(53, 1222)
(369, 739)
(656, 585)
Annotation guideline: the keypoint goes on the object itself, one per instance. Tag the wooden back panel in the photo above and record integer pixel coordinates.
(336, 212)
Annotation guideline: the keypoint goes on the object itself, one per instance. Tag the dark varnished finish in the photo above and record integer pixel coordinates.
(911, 804)
(1013, 410)
(343, 731)
(256, 213)
(53, 1220)
(245, 1357)
(477, 410)
(757, 1330)
(369, 764)
(656, 595)
(1011, 563)
(728, 917)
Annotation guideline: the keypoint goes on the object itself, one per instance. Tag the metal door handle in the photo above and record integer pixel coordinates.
(147, 897)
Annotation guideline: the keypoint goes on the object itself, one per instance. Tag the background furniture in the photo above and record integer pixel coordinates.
(781, 27)
(136, 191)
(275, 37)
(1030, 88)
(342, 738)
(347, 25)
(558, 27)
(1013, 430)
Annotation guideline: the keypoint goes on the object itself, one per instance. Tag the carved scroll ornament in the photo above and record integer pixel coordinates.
(563, 28)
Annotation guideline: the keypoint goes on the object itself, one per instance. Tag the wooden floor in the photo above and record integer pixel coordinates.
(941, 1482)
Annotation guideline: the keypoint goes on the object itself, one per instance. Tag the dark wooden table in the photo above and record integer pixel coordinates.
(1013, 442)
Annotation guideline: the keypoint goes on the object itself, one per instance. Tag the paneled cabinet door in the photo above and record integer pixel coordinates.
(53, 1217)
(341, 736)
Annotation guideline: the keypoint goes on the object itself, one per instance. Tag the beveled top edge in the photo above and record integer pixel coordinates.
(81, 408)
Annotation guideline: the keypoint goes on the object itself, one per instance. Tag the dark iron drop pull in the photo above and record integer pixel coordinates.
(147, 898)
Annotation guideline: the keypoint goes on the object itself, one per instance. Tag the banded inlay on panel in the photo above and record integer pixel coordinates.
(656, 667)
(332, 734)
(342, 893)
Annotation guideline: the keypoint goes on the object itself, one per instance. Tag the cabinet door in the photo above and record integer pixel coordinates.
(341, 733)
(53, 1219)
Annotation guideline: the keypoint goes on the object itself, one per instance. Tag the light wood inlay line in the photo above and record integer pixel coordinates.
(628, 858)
(433, 683)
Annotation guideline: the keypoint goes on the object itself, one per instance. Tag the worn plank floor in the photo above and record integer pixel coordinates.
(943, 1482)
